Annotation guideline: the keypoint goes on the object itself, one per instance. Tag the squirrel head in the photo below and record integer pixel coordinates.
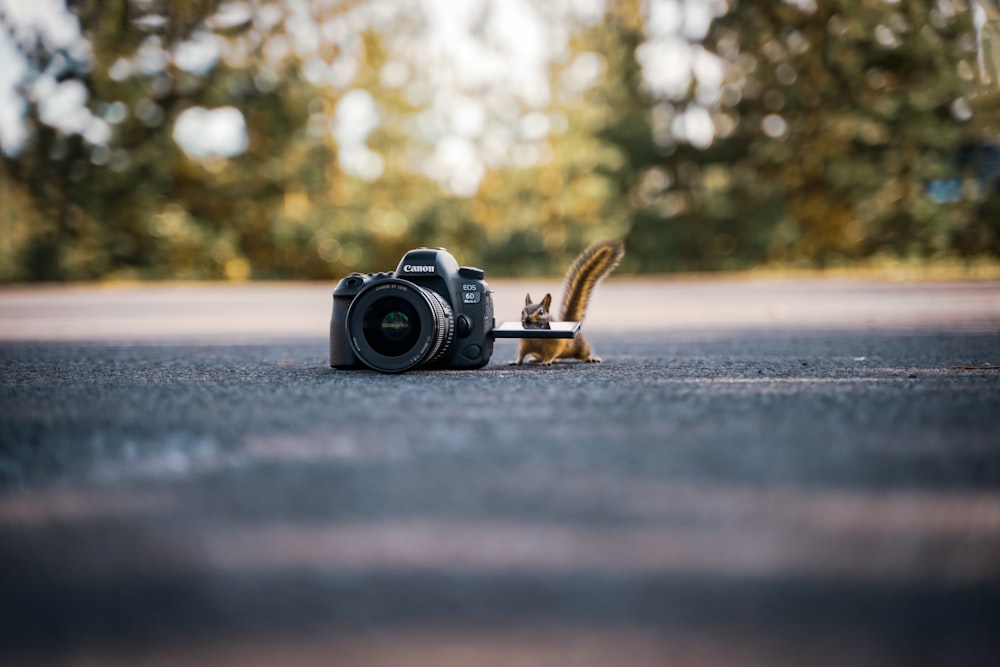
(536, 313)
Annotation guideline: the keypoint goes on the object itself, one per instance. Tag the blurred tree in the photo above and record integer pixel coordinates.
(119, 196)
(574, 188)
(63, 170)
(842, 112)
(201, 139)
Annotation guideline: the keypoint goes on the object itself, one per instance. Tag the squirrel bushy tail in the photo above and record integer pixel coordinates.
(593, 264)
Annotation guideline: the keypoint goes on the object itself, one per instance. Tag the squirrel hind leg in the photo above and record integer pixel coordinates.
(582, 351)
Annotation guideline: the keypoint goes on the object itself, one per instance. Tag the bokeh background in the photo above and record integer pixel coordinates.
(295, 139)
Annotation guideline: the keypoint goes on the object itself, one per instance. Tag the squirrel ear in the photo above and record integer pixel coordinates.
(527, 299)
(547, 301)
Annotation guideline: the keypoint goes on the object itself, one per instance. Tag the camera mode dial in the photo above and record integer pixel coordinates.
(471, 272)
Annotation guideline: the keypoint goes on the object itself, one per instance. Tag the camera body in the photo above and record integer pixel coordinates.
(429, 313)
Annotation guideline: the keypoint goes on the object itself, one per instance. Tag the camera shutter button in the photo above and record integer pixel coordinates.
(471, 272)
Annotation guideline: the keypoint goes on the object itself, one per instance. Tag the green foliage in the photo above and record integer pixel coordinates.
(829, 123)
(842, 115)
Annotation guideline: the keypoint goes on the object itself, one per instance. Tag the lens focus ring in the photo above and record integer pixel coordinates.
(445, 328)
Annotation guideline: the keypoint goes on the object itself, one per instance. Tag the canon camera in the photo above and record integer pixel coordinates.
(428, 313)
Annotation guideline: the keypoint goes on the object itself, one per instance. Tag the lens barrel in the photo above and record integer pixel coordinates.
(395, 325)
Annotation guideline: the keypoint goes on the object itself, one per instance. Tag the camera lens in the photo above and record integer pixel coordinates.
(395, 325)
(390, 326)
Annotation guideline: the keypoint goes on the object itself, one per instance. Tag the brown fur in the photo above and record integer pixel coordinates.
(589, 268)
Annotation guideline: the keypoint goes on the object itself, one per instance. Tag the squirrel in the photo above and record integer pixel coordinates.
(589, 268)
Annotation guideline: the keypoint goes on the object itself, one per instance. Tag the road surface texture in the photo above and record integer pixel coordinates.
(761, 472)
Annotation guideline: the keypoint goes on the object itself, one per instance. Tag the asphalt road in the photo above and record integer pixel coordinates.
(760, 473)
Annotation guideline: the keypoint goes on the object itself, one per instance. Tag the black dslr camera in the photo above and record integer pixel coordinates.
(430, 313)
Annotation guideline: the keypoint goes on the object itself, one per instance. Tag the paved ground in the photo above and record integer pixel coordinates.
(761, 473)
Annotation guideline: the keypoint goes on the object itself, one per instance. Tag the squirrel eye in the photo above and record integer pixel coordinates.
(541, 311)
